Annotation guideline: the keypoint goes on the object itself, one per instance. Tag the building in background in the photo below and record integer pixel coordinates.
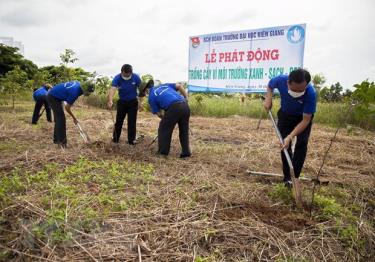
(9, 41)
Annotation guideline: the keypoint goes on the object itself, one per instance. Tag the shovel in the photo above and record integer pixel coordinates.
(295, 181)
(85, 137)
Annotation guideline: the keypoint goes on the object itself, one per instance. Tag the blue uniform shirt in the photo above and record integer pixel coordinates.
(127, 89)
(68, 91)
(42, 91)
(290, 105)
(162, 96)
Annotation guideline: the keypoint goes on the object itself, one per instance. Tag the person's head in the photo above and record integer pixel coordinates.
(48, 86)
(297, 82)
(126, 71)
(146, 84)
(87, 87)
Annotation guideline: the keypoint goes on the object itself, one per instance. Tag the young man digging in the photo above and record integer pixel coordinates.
(298, 105)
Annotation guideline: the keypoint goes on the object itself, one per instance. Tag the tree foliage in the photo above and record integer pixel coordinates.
(10, 58)
(332, 93)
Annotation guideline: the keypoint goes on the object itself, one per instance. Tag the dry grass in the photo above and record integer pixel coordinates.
(206, 208)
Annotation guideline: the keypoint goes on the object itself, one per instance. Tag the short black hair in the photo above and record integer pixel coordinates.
(299, 75)
(127, 69)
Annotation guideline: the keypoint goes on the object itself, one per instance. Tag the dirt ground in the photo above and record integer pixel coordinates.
(233, 218)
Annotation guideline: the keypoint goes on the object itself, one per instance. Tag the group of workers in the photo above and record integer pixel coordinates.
(169, 102)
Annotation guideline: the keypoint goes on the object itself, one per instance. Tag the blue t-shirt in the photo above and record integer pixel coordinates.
(161, 97)
(42, 91)
(290, 105)
(127, 89)
(68, 91)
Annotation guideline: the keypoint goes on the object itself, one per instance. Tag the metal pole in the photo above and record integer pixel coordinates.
(295, 181)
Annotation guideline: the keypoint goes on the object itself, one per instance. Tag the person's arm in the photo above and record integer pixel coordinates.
(267, 104)
(111, 93)
(67, 108)
(160, 114)
(181, 89)
(297, 130)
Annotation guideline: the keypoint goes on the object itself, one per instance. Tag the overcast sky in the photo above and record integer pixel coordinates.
(153, 35)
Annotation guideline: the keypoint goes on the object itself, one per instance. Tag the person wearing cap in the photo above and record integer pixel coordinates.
(298, 105)
(127, 84)
(172, 99)
(67, 92)
(40, 98)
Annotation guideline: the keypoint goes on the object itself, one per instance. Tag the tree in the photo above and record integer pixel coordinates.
(13, 82)
(62, 73)
(318, 81)
(364, 96)
(102, 84)
(332, 94)
(10, 58)
(68, 57)
(41, 77)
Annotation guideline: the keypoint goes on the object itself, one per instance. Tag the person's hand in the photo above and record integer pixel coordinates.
(110, 104)
(267, 104)
(287, 142)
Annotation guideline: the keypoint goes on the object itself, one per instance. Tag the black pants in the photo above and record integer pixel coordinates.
(286, 123)
(59, 133)
(40, 101)
(177, 113)
(123, 108)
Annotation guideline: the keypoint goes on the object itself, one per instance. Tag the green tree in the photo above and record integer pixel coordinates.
(102, 84)
(41, 77)
(13, 82)
(318, 81)
(62, 73)
(332, 94)
(364, 96)
(10, 58)
(68, 57)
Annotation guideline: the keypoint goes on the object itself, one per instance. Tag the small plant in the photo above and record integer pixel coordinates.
(280, 192)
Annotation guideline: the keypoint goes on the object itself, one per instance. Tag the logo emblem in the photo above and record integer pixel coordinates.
(195, 41)
(296, 34)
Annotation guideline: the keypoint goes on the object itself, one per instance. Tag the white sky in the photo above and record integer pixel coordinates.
(153, 35)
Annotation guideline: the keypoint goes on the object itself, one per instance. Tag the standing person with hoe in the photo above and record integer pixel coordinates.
(172, 99)
(40, 98)
(127, 84)
(298, 105)
(65, 92)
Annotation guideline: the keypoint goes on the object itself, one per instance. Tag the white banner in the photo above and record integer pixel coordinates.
(244, 61)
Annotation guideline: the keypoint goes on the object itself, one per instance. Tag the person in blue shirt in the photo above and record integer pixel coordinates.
(298, 105)
(172, 100)
(40, 98)
(127, 84)
(67, 92)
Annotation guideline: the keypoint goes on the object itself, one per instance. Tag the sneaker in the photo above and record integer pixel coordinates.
(288, 184)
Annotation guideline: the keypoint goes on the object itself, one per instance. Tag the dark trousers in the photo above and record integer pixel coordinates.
(131, 109)
(177, 113)
(286, 123)
(40, 101)
(59, 133)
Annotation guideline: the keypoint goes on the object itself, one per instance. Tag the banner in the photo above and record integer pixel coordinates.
(244, 61)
